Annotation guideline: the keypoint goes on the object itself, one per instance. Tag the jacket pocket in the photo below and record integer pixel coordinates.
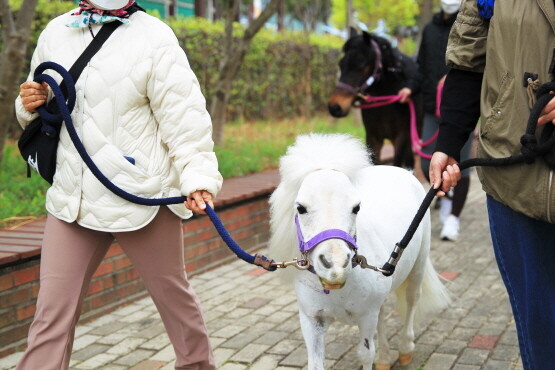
(498, 111)
(124, 174)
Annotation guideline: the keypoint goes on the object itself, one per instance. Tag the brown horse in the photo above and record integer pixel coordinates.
(372, 67)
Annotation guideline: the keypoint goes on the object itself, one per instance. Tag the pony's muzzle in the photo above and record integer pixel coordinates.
(336, 110)
(332, 268)
(331, 285)
(340, 103)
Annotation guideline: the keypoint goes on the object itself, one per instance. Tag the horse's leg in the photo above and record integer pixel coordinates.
(314, 330)
(413, 289)
(403, 152)
(383, 361)
(375, 145)
(398, 143)
(408, 154)
(374, 129)
(366, 348)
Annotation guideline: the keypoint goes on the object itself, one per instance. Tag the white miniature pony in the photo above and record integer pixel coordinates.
(328, 183)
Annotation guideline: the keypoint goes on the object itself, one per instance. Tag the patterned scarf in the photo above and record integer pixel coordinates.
(486, 8)
(88, 14)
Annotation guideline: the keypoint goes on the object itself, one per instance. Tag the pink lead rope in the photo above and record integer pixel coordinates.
(417, 143)
(438, 99)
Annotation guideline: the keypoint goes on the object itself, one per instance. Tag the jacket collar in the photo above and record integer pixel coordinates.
(548, 8)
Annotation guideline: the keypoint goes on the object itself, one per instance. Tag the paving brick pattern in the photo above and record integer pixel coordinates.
(253, 322)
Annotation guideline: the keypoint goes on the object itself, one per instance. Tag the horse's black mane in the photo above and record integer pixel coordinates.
(392, 58)
(362, 40)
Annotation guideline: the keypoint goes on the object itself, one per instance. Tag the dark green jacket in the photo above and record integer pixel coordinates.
(519, 38)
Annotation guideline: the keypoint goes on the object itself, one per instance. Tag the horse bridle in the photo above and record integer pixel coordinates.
(307, 246)
(375, 76)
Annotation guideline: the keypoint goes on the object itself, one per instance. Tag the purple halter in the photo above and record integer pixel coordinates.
(305, 247)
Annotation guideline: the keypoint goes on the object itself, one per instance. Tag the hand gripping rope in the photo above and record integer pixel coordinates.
(531, 149)
(65, 108)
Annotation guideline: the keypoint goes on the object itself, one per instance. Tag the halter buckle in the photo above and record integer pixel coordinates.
(299, 264)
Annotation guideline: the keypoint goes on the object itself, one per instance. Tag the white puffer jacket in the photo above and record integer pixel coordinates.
(137, 98)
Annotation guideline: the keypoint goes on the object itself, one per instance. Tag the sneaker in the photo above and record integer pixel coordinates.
(450, 230)
(445, 207)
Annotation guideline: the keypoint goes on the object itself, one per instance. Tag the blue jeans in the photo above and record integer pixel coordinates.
(525, 252)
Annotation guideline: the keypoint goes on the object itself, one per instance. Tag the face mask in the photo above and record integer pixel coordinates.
(450, 6)
(108, 4)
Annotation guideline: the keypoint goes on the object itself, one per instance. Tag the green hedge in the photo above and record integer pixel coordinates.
(283, 74)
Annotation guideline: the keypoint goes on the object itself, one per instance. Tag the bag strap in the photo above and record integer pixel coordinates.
(95, 45)
(91, 49)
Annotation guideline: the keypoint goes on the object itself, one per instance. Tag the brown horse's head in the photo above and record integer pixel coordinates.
(362, 63)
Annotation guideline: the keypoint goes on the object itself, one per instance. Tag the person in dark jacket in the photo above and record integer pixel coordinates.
(428, 80)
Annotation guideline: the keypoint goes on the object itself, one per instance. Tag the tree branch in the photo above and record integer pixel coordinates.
(231, 13)
(7, 18)
(257, 24)
(26, 14)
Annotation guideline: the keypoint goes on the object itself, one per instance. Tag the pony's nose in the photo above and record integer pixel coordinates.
(327, 264)
(335, 110)
(324, 261)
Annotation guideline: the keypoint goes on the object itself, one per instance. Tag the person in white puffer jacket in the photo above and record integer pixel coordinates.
(137, 98)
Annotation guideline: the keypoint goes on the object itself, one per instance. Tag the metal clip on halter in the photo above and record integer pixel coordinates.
(300, 264)
(361, 261)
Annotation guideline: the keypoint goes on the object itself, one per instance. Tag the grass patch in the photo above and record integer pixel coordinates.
(248, 147)
(254, 147)
(20, 197)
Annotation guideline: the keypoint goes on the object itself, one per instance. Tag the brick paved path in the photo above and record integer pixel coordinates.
(253, 322)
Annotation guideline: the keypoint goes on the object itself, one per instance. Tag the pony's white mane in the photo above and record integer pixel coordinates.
(310, 153)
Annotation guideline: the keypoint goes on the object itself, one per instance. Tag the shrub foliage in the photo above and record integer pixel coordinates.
(283, 75)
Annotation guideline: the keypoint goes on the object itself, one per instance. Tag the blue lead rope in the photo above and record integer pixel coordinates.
(257, 259)
(65, 109)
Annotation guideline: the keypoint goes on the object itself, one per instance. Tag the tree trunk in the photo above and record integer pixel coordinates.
(15, 37)
(350, 14)
(281, 16)
(426, 14)
(200, 8)
(228, 73)
(231, 63)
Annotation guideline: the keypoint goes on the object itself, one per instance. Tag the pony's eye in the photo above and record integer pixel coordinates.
(356, 209)
(301, 209)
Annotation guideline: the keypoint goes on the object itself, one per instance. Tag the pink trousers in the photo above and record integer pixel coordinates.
(70, 255)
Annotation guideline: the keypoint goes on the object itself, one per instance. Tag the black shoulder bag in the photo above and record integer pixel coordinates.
(38, 143)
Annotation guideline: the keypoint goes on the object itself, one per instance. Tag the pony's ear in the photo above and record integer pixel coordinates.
(353, 32)
(366, 37)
